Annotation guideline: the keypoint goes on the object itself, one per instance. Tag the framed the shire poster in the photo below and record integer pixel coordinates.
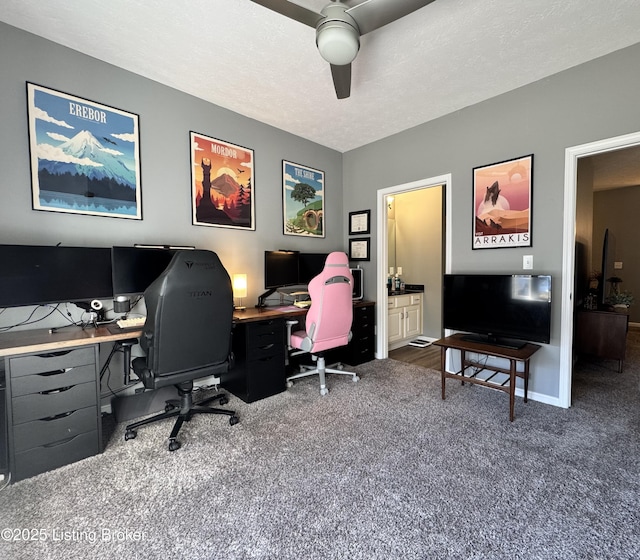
(302, 200)
(85, 156)
(502, 204)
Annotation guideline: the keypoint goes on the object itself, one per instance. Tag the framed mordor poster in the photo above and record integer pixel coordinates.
(502, 204)
(302, 200)
(221, 183)
(85, 156)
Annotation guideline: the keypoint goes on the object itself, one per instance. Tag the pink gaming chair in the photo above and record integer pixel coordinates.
(328, 321)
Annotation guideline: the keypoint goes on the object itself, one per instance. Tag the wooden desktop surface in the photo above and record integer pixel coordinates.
(43, 340)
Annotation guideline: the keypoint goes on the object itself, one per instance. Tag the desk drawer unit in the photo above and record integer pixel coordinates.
(54, 416)
(361, 349)
(259, 370)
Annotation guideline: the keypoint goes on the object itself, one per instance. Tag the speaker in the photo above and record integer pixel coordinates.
(122, 304)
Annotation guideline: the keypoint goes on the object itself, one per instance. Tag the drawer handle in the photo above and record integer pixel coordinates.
(267, 359)
(57, 416)
(55, 391)
(55, 372)
(266, 347)
(61, 442)
(55, 354)
(268, 334)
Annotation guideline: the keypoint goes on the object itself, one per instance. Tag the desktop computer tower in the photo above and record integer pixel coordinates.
(358, 283)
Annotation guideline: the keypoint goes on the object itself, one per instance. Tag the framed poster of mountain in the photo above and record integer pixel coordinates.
(85, 156)
(502, 204)
(221, 183)
(302, 200)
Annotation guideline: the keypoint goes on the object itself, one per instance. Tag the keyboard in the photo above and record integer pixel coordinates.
(131, 322)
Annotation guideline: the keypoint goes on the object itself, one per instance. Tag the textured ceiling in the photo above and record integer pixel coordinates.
(242, 56)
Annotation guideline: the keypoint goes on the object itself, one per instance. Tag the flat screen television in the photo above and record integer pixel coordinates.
(39, 274)
(135, 268)
(501, 309)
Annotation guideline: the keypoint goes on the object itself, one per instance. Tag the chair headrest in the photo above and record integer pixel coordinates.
(337, 258)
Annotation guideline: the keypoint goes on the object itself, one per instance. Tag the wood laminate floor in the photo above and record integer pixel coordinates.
(428, 357)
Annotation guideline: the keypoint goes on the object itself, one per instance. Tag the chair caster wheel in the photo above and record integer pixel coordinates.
(289, 384)
(340, 366)
(233, 420)
(356, 378)
(324, 391)
(130, 434)
(174, 445)
(224, 400)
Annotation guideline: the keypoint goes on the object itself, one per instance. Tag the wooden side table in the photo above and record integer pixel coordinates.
(457, 342)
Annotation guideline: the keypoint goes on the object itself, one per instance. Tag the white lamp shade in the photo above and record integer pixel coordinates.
(338, 43)
(240, 285)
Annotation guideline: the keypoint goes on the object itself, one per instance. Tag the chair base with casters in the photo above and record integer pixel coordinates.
(321, 370)
(183, 409)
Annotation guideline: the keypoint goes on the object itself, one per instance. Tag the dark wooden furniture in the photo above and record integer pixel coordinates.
(495, 380)
(602, 334)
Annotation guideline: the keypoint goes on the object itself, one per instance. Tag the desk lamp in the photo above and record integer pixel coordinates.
(240, 289)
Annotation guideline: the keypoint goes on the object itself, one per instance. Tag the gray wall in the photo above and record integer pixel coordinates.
(166, 117)
(590, 102)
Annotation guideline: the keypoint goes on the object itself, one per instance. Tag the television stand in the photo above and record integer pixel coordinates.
(495, 380)
(495, 341)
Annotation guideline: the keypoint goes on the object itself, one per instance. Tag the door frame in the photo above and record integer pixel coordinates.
(572, 155)
(382, 348)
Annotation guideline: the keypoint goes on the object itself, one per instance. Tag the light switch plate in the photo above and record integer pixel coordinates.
(617, 265)
(527, 262)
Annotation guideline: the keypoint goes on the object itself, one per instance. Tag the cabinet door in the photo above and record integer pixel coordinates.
(395, 325)
(413, 321)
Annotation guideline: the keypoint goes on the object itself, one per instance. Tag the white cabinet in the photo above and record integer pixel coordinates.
(404, 319)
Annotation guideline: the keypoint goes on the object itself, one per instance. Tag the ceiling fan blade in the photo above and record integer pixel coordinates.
(372, 14)
(342, 80)
(291, 10)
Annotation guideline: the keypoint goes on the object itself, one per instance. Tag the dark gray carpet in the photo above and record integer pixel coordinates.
(380, 469)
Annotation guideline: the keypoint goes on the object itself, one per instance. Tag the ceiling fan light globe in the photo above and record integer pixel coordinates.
(338, 43)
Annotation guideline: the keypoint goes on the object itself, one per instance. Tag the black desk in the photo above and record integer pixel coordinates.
(259, 346)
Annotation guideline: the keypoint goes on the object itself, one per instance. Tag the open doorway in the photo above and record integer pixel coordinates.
(444, 182)
(570, 237)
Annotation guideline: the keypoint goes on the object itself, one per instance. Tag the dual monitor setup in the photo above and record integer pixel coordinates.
(284, 269)
(38, 275)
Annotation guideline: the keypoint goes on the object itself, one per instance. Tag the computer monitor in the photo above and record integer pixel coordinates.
(39, 274)
(310, 265)
(135, 268)
(280, 269)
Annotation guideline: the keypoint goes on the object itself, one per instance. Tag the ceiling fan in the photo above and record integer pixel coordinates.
(339, 26)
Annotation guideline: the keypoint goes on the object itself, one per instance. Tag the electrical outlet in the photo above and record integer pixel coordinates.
(617, 265)
(527, 262)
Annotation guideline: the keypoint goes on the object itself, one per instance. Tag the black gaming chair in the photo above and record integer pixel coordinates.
(187, 335)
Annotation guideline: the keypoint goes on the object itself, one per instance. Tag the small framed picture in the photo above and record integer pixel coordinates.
(359, 222)
(359, 249)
